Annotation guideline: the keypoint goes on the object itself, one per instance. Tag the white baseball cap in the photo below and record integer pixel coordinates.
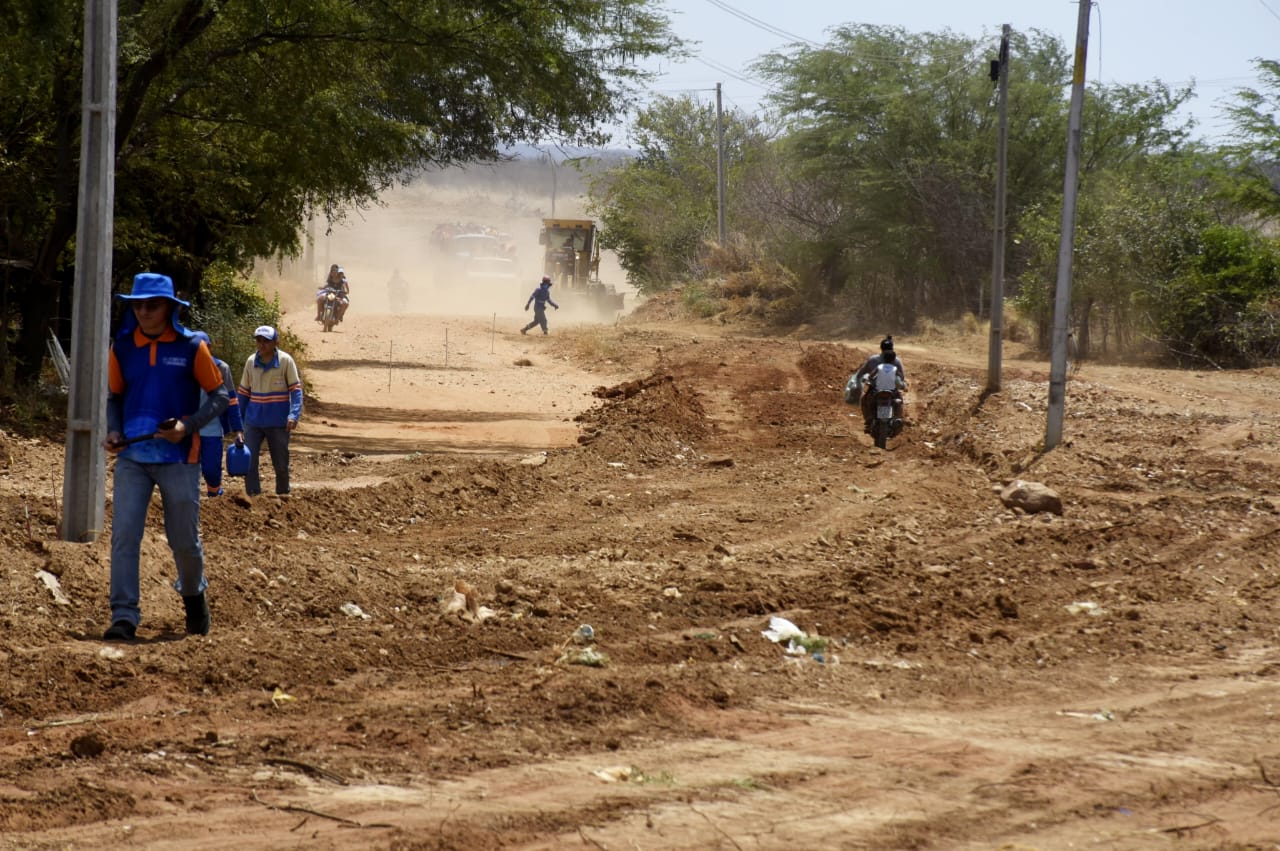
(266, 332)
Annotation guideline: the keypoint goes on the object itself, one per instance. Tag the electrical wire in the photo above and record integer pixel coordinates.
(725, 69)
(1269, 9)
(756, 22)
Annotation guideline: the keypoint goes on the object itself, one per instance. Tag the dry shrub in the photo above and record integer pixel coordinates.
(928, 330)
(595, 343)
(1017, 327)
(742, 270)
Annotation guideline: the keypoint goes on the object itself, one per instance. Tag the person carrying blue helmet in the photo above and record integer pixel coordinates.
(214, 430)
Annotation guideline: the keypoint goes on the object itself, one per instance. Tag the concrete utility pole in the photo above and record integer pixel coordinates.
(996, 341)
(1066, 243)
(84, 475)
(720, 193)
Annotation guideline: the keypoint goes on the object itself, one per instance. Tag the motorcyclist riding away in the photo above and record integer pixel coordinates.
(864, 373)
(338, 283)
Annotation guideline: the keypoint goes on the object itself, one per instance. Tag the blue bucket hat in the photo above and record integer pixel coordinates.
(151, 285)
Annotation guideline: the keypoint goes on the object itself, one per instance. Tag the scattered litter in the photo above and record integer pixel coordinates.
(672, 592)
(616, 464)
(900, 664)
(798, 641)
(534, 460)
(279, 698)
(115, 654)
(614, 774)
(51, 582)
(589, 656)
(1086, 608)
(351, 610)
(781, 629)
(465, 600)
(1100, 715)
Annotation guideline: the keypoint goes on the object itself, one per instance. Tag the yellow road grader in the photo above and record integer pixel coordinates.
(571, 257)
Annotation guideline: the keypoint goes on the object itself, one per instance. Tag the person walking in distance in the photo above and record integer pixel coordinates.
(212, 433)
(540, 298)
(270, 395)
(156, 370)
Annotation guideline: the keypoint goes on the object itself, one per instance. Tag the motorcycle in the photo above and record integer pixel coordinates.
(329, 311)
(883, 396)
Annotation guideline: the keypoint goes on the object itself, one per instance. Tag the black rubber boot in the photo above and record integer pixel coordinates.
(197, 614)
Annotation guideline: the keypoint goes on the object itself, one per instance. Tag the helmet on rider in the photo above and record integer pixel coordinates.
(886, 345)
(546, 279)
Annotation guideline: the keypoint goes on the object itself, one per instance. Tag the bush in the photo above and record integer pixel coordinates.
(1219, 308)
(701, 300)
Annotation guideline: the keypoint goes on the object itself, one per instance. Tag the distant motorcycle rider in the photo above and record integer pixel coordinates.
(854, 391)
(338, 283)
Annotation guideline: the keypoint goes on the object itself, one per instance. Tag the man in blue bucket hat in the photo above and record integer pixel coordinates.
(156, 372)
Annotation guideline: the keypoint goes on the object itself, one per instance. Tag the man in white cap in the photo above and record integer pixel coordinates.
(270, 396)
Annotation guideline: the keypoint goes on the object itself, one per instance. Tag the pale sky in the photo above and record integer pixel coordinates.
(1130, 41)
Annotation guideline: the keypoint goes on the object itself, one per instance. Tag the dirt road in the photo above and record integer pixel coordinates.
(1103, 678)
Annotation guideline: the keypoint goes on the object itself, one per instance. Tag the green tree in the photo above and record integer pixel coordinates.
(1223, 308)
(895, 132)
(659, 209)
(237, 117)
(1255, 151)
(1135, 227)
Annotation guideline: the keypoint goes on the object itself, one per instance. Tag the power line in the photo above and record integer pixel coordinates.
(1269, 9)
(725, 69)
(756, 22)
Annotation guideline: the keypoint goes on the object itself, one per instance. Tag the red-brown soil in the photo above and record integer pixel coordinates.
(965, 699)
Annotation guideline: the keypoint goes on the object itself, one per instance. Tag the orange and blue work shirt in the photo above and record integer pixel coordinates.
(152, 379)
(270, 393)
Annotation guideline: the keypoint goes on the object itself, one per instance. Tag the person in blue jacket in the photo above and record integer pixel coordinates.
(540, 298)
(270, 395)
(212, 433)
(156, 370)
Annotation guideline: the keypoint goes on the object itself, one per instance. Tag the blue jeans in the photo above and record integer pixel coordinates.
(211, 461)
(539, 318)
(180, 501)
(277, 438)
